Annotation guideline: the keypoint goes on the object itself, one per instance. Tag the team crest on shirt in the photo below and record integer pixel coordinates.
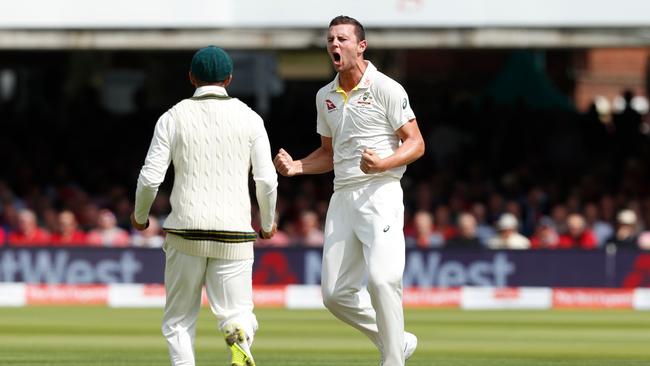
(366, 99)
(330, 105)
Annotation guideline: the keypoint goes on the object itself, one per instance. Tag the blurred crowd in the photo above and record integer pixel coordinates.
(497, 222)
(39, 224)
(493, 175)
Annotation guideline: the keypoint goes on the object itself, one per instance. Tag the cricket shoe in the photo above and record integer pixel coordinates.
(410, 344)
(238, 343)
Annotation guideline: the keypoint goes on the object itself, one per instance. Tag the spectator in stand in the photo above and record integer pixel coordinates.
(424, 236)
(513, 207)
(466, 237)
(88, 216)
(534, 206)
(9, 217)
(28, 233)
(122, 209)
(607, 207)
(573, 203)
(559, 214)
(68, 233)
(577, 236)
(603, 230)
(151, 237)
(545, 235)
(644, 240)
(443, 222)
(626, 235)
(2, 236)
(108, 233)
(49, 219)
(495, 205)
(309, 231)
(508, 236)
(484, 231)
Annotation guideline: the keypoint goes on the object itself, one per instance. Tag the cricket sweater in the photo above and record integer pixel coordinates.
(213, 142)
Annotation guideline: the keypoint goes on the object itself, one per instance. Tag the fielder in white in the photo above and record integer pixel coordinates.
(213, 141)
(368, 136)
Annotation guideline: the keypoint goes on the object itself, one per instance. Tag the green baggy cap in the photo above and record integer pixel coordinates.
(211, 65)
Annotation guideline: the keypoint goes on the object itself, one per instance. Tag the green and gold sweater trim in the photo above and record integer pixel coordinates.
(214, 235)
(211, 96)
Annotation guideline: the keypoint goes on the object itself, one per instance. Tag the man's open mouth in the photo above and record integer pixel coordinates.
(336, 56)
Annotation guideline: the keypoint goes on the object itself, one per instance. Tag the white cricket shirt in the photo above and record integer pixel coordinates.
(366, 117)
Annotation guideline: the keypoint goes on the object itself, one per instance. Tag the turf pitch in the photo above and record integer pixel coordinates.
(105, 336)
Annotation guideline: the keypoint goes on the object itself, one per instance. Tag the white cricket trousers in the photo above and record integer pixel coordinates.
(364, 238)
(228, 285)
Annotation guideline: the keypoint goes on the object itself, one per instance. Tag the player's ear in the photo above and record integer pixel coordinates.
(361, 47)
(192, 79)
(227, 81)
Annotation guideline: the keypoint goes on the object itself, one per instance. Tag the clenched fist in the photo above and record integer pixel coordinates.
(284, 164)
(269, 234)
(370, 162)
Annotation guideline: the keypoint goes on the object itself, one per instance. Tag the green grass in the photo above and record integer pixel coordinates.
(103, 336)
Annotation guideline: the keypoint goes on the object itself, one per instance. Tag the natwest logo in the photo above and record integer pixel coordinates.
(56, 267)
(427, 269)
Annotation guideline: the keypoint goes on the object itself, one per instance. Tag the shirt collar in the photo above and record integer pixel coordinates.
(210, 89)
(364, 83)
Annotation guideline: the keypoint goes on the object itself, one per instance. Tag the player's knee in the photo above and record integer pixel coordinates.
(331, 297)
(328, 297)
(383, 283)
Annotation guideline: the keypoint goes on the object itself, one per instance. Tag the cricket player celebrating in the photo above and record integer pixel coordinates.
(213, 140)
(368, 136)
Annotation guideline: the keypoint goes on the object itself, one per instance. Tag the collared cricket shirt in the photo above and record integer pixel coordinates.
(366, 117)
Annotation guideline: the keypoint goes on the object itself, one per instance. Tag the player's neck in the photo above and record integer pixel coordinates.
(350, 78)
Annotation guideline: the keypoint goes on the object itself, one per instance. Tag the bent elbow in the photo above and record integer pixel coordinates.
(421, 149)
(267, 185)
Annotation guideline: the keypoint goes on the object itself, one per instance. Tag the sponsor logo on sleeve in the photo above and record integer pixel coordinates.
(405, 103)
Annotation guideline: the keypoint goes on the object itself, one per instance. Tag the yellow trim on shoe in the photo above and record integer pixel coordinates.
(235, 337)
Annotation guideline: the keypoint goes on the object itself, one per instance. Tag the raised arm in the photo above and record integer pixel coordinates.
(411, 149)
(318, 162)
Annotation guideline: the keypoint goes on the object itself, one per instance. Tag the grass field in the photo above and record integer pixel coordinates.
(103, 336)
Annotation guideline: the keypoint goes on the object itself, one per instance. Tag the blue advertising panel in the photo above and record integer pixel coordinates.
(424, 268)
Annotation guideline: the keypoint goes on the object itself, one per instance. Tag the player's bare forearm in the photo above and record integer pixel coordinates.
(318, 162)
(411, 149)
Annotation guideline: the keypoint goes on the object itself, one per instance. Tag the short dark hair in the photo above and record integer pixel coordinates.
(358, 28)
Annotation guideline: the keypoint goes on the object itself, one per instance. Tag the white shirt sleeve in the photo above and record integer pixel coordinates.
(398, 108)
(322, 127)
(264, 175)
(155, 167)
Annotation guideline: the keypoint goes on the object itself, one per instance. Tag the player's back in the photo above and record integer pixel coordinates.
(211, 154)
